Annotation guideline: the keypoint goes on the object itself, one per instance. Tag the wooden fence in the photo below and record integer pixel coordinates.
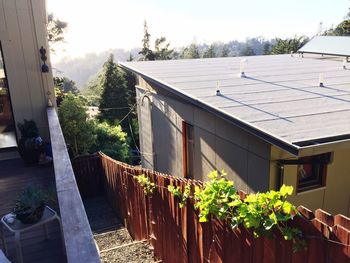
(176, 234)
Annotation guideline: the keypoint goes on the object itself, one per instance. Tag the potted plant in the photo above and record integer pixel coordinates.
(31, 145)
(30, 205)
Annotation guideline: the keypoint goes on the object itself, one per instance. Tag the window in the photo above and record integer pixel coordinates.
(312, 171)
(187, 149)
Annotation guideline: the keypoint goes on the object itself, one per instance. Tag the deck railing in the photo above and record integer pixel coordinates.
(78, 239)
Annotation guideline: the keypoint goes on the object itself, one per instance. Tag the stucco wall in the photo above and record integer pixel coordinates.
(217, 144)
(334, 197)
(22, 33)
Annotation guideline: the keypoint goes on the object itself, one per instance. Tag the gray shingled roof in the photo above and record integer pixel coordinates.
(280, 95)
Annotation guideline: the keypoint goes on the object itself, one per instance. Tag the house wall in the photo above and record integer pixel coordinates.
(22, 33)
(334, 197)
(217, 143)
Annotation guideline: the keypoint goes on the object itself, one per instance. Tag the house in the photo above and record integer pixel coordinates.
(26, 92)
(24, 89)
(265, 120)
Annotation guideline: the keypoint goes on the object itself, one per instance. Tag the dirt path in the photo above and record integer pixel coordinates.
(112, 238)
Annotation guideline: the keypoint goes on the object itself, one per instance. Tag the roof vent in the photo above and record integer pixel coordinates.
(321, 80)
(242, 67)
(218, 93)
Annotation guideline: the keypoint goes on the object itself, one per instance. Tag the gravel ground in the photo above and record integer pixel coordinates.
(102, 217)
(137, 253)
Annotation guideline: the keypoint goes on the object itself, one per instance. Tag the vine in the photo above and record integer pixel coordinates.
(145, 182)
(260, 212)
(183, 196)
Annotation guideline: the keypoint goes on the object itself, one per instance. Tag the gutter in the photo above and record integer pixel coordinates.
(262, 134)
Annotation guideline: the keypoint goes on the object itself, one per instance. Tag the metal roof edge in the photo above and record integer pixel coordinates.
(264, 135)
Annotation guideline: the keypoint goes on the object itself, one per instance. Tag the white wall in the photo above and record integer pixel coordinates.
(22, 33)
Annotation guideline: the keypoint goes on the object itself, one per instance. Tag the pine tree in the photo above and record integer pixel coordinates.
(192, 51)
(162, 50)
(146, 51)
(114, 99)
(225, 51)
(210, 52)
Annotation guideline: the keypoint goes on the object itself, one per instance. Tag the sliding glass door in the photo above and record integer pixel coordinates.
(7, 126)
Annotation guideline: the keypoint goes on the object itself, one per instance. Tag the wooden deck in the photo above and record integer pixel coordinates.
(14, 176)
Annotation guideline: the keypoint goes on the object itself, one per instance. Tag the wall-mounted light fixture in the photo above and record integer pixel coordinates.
(44, 67)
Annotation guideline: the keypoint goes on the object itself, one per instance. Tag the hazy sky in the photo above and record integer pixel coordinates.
(95, 26)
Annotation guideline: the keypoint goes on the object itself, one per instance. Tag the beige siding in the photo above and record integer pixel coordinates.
(334, 197)
(22, 33)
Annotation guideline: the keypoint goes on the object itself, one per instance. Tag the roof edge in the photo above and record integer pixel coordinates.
(262, 134)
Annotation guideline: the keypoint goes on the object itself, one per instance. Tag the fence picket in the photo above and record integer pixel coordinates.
(176, 234)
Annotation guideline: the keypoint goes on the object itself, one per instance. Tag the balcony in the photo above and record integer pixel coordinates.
(78, 242)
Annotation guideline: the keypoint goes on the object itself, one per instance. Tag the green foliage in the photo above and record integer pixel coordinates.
(162, 49)
(286, 46)
(191, 52)
(55, 30)
(65, 85)
(145, 182)
(210, 52)
(146, 52)
(77, 129)
(343, 29)
(247, 51)
(111, 140)
(28, 129)
(225, 52)
(183, 196)
(260, 212)
(218, 197)
(114, 104)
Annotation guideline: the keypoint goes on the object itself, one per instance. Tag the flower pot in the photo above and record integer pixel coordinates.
(30, 216)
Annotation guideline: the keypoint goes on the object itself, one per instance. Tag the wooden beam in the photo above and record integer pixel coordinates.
(78, 238)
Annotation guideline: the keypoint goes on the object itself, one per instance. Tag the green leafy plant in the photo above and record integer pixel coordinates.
(145, 182)
(218, 197)
(30, 204)
(260, 212)
(183, 196)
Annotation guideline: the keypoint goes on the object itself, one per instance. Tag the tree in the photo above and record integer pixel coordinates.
(146, 51)
(267, 48)
(286, 46)
(93, 91)
(162, 50)
(247, 51)
(192, 51)
(210, 52)
(111, 140)
(66, 85)
(55, 30)
(225, 51)
(114, 103)
(77, 129)
(343, 29)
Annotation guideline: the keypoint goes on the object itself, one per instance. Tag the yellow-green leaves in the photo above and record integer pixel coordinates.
(217, 197)
(183, 196)
(144, 181)
(286, 190)
(259, 212)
